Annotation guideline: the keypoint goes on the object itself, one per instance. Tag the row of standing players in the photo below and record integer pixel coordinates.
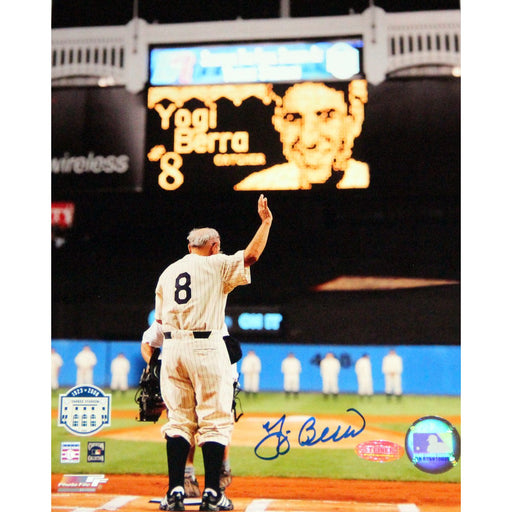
(291, 368)
(85, 362)
(330, 367)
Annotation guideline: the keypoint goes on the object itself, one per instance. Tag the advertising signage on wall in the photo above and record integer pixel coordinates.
(63, 214)
(268, 116)
(97, 140)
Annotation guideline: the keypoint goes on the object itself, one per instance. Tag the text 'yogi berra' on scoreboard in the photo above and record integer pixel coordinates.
(291, 133)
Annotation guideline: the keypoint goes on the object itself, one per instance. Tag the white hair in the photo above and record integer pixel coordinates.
(201, 236)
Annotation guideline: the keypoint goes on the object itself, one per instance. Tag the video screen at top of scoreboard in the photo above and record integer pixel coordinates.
(290, 61)
(259, 116)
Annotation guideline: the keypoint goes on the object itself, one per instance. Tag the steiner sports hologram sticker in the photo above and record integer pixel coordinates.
(433, 444)
(84, 410)
(379, 451)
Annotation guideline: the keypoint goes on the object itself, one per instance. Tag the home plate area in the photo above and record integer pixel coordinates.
(88, 502)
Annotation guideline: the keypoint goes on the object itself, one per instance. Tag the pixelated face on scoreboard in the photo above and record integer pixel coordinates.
(253, 136)
(311, 125)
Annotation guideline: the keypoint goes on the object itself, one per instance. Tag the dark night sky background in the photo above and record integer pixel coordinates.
(73, 13)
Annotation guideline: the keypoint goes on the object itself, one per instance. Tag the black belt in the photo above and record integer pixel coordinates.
(196, 334)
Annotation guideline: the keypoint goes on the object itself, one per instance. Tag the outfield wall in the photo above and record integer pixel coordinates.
(428, 370)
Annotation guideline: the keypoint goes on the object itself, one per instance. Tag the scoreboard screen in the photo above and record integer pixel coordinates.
(273, 116)
(338, 59)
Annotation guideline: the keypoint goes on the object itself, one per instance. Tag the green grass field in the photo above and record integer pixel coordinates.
(149, 457)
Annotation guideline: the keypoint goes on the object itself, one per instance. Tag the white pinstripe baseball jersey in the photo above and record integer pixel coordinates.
(191, 293)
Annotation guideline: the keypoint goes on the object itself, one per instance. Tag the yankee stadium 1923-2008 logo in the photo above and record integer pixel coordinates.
(84, 410)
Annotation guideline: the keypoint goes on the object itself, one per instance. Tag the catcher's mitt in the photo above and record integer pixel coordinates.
(148, 394)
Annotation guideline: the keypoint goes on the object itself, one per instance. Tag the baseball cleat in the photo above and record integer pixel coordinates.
(211, 502)
(174, 500)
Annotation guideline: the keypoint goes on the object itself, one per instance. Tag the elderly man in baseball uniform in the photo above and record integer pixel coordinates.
(196, 377)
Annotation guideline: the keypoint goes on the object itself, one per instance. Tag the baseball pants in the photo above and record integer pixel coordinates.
(197, 387)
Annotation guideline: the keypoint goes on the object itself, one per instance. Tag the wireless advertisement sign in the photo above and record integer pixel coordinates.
(97, 140)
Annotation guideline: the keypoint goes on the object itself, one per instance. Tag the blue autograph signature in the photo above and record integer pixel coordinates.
(308, 435)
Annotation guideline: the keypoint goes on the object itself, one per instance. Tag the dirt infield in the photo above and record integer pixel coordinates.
(428, 496)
